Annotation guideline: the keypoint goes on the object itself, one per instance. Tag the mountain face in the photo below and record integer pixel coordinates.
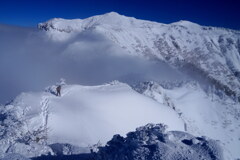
(211, 53)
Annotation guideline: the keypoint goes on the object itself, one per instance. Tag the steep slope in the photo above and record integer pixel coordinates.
(83, 116)
(208, 52)
(203, 113)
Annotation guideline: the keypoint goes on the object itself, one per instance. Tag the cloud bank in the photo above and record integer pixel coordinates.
(29, 61)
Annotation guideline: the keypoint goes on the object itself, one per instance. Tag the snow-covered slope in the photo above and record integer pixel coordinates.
(36, 122)
(82, 116)
(209, 52)
(203, 113)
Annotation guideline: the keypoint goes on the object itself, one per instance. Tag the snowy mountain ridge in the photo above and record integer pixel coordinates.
(112, 19)
(207, 52)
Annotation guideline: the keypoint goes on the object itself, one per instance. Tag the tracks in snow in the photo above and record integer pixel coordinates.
(45, 114)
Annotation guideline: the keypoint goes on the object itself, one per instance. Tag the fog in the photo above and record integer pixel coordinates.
(30, 61)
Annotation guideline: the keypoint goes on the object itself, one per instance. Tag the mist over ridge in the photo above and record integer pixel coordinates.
(30, 61)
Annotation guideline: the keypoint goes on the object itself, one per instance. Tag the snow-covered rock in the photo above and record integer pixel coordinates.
(153, 142)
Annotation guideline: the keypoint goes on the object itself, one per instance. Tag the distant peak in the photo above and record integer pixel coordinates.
(185, 23)
(113, 13)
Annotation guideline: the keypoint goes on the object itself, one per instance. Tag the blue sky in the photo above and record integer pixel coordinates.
(222, 13)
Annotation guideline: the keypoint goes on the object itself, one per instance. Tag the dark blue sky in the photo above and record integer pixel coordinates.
(222, 13)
